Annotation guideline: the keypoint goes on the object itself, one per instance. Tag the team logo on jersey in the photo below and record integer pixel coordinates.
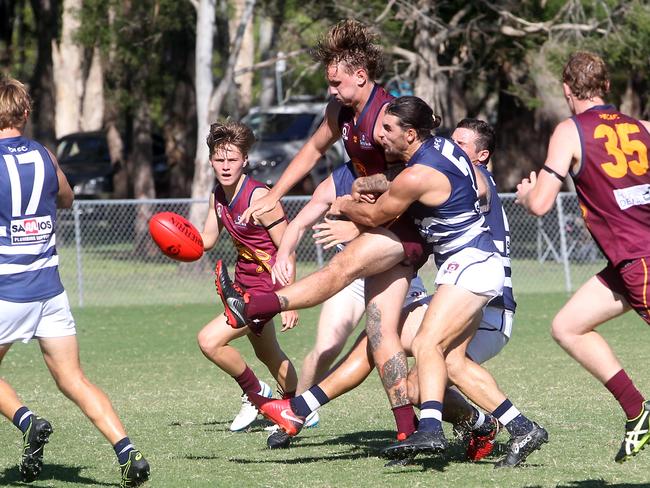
(238, 220)
(219, 210)
(355, 139)
(365, 143)
(345, 130)
(451, 267)
(32, 230)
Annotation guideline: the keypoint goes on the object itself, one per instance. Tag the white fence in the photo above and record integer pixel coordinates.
(108, 259)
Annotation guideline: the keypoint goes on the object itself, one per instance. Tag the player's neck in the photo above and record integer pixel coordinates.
(10, 132)
(231, 190)
(365, 92)
(411, 150)
(584, 105)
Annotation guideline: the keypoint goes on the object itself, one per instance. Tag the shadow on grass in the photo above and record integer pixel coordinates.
(597, 484)
(51, 472)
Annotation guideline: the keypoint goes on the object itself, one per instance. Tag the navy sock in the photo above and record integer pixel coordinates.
(513, 420)
(22, 418)
(430, 416)
(122, 450)
(311, 400)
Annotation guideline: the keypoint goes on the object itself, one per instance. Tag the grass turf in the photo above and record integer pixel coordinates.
(177, 407)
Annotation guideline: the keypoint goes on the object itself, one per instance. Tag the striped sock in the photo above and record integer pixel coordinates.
(430, 416)
(311, 400)
(122, 449)
(22, 418)
(512, 419)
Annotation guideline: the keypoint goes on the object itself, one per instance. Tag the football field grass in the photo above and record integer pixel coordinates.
(177, 407)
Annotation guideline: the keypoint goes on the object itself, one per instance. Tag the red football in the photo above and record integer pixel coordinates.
(176, 236)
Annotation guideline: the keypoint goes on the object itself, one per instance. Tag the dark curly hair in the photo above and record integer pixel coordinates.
(352, 43)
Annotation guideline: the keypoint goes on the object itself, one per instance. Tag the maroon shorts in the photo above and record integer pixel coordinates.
(414, 246)
(630, 279)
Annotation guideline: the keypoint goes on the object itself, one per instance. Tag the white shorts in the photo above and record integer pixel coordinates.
(480, 272)
(46, 318)
(416, 291)
(492, 335)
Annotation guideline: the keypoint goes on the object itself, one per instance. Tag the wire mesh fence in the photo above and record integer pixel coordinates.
(108, 258)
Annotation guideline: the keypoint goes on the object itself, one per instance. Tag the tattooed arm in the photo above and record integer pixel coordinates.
(375, 184)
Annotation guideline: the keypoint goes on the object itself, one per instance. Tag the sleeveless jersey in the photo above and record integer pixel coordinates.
(497, 221)
(28, 258)
(255, 249)
(366, 155)
(613, 183)
(457, 223)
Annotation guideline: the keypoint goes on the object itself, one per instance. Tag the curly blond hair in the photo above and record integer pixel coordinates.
(352, 43)
(587, 75)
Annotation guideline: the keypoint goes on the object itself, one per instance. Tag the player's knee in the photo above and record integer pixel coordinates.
(455, 369)
(559, 331)
(71, 383)
(208, 343)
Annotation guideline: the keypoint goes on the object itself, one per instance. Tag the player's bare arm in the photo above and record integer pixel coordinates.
(406, 189)
(537, 193)
(323, 196)
(314, 149)
(211, 227)
(275, 222)
(65, 196)
(332, 232)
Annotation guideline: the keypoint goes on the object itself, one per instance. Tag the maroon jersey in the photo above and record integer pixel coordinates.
(366, 154)
(613, 183)
(255, 249)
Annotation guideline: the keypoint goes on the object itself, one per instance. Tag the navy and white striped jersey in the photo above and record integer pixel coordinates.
(497, 220)
(29, 186)
(457, 223)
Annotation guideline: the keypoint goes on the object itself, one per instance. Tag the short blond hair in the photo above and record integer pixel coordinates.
(14, 103)
(587, 75)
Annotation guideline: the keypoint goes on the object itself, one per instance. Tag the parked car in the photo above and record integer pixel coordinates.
(85, 160)
(281, 131)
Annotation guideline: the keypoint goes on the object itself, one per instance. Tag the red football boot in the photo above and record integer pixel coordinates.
(279, 412)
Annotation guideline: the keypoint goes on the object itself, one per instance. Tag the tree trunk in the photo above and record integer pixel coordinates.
(111, 123)
(179, 128)
(67, 58)
(42, 85)
(270, 25)
(203, 174)
(143, 185)
(246, 57)
(92, 111)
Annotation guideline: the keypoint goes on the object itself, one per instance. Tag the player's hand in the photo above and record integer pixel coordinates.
(360, 196)
(335, 208)
(525, 187)
(282, 271)
(332, 232)
(259, 207)
(289, 319)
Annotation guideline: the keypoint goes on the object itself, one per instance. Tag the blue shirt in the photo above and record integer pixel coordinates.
(29, 187)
